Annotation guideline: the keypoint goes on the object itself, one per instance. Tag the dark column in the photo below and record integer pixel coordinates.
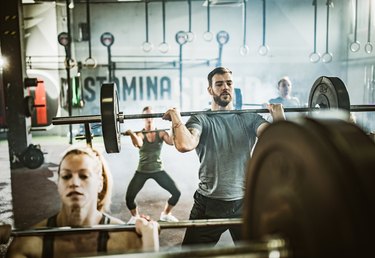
(12, 50)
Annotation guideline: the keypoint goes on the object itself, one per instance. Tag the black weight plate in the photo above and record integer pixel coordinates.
(357, 150)
(109, 109)
(297, 188)
(330, 93)
(29, 108)
(32, 158)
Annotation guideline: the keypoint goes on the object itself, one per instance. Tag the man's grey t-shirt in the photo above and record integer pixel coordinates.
(224, 149)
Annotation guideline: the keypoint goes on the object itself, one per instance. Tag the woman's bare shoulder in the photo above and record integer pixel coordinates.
(27, 246)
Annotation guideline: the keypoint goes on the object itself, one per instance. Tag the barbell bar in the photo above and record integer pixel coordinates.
(121, 117)
(126, 227)
(82, 137)
(326, 93)
(147, 131)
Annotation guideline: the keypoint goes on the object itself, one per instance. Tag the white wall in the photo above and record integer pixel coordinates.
(289, 35)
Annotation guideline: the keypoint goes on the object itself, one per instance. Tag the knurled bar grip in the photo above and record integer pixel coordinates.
(126, 227)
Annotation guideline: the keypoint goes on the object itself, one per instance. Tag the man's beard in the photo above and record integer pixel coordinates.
(222, 102)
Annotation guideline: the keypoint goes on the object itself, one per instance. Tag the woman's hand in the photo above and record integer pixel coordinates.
(149, 231)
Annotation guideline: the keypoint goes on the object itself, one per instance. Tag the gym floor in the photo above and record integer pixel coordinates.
(34, 193)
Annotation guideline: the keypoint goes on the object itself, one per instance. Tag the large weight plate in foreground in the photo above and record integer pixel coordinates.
(109, 109)
(329, 93)
(357, 152)
(301, 186)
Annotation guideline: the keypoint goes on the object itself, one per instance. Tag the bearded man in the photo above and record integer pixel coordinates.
(223, 143)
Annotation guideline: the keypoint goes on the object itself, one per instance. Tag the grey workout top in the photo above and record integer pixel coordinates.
(224, 149)
(149, 155)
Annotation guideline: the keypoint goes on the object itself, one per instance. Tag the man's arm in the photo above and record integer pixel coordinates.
(168, 139)
(184, 139)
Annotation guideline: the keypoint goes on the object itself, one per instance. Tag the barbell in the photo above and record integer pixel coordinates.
(147, 131)
(118, 227)
(82, 137)
(260, 248)
(326, 93)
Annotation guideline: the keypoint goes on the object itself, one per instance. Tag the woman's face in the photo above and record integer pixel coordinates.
(79, 181)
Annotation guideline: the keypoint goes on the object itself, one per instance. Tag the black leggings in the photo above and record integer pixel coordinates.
(161, 177)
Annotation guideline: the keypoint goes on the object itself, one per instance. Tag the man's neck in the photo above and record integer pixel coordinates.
(215, 107)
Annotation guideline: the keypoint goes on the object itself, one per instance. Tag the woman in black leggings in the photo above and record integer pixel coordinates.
(150, 166)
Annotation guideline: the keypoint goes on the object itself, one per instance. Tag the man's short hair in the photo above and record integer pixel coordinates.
(284, 79)
(146, 108)
(217, 70)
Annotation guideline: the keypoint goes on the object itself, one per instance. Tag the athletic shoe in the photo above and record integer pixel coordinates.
(168, 217)
(132, 220)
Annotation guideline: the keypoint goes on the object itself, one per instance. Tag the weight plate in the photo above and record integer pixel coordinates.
(29, 107)
(32, 157)
(329, 93)
(109, 109)
(357, 150)
(298, 187)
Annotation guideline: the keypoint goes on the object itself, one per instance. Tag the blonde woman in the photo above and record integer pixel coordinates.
(85, 187)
